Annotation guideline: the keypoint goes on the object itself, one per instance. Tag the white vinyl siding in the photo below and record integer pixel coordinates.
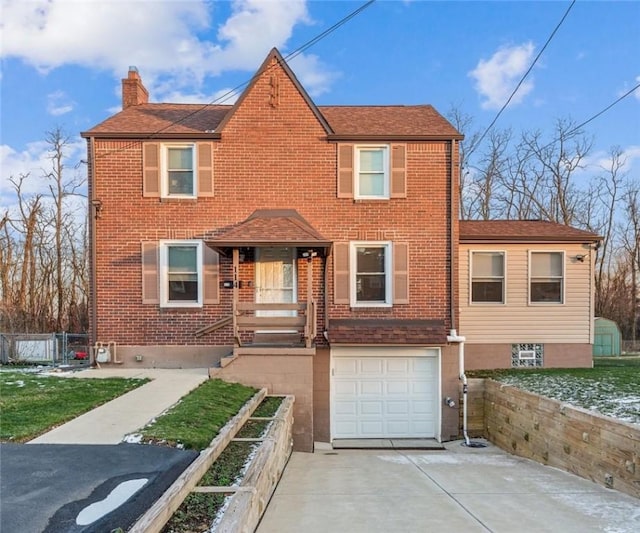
(519, 320)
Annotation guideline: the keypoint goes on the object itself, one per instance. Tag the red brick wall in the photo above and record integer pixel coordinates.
(268, 157)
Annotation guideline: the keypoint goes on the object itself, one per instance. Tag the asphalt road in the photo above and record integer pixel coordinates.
(50, 487)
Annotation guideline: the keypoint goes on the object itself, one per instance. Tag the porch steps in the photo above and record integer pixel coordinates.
(291, 340)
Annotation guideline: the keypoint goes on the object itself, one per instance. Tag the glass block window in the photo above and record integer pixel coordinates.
(527, 355)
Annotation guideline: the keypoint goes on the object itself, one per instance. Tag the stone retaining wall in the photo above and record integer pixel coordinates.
(590, 445)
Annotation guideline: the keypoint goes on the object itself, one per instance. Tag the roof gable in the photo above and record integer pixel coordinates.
(340, 123)
(274, 61)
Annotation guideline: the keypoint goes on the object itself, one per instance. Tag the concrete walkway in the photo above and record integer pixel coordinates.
(110, 422)
(459, 489)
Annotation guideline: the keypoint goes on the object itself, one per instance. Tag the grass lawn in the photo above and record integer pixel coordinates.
(195, 420)
(31, 404)
(611, 388)
(198, 510)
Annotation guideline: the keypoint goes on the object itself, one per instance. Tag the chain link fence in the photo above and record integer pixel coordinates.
(53, 349)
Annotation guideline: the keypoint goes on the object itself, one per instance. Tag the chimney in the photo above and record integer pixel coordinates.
(133, 92)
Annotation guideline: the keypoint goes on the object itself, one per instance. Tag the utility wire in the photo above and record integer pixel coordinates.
(630, 91)
(233, 91)
(484, 134)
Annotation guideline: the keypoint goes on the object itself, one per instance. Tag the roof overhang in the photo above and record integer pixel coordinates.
(153, 136)
(269, 227)
(337, 137)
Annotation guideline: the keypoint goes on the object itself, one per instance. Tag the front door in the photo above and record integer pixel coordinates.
(276, 278)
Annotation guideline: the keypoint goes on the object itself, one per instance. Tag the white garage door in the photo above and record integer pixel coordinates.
(384, 393)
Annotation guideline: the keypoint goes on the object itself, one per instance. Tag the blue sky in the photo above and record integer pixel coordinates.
(62, 62)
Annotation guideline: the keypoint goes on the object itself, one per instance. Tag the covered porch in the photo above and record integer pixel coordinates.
(277, 263)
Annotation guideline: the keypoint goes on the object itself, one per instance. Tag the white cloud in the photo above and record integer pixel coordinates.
(496, 78)
(313, 74)
(601, 160)
(174, 43)
(35, 160)
(58, 103)
(637, 91)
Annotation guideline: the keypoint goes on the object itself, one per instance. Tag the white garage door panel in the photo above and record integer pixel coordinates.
(385, 396)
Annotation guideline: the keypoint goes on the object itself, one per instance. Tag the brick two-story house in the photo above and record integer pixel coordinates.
(316, 250)
(309, 249)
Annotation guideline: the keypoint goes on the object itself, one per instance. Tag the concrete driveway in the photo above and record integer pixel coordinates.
(460, 489)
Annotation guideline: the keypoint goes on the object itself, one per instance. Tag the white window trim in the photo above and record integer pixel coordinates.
(504, 277)
(388, 272)
(386, 166)
(164, 166)
(563, 280)
(164, 273)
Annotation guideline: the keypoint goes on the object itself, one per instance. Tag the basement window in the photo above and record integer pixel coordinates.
(527, 355)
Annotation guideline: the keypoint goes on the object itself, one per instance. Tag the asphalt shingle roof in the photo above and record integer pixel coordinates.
(270, 226)
(522, 231)
(381, 121)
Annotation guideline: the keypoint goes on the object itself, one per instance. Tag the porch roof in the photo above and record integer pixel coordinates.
(387, 331)
(269, 227)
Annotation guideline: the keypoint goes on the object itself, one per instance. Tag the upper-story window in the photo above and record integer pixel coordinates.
(487, 277)
(372, 172)
(177, 170)
(179, 178)
(546, 277)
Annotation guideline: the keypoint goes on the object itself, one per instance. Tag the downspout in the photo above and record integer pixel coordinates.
(452, 239)
(453, 336)
(93, 215)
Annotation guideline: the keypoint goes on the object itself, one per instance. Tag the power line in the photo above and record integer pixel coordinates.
(593, 117)
(484, 134)
(606, 108)
(231, 92)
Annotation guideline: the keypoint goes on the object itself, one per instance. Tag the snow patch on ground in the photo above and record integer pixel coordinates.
(133, 438)
(599, 395)
(18, 383)
(115, 499)
(622, 516)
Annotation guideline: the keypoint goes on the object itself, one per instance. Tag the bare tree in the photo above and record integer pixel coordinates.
(43, 261)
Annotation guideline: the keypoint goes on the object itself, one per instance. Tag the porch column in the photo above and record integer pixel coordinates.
(310, 305)
(234, 305)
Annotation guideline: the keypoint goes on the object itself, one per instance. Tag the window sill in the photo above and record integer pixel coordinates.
(370, 199)
(171, 199)
(181, 307)
(371, 306)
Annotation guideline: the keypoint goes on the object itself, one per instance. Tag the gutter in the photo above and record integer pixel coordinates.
(93, 215)
(452, 240)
